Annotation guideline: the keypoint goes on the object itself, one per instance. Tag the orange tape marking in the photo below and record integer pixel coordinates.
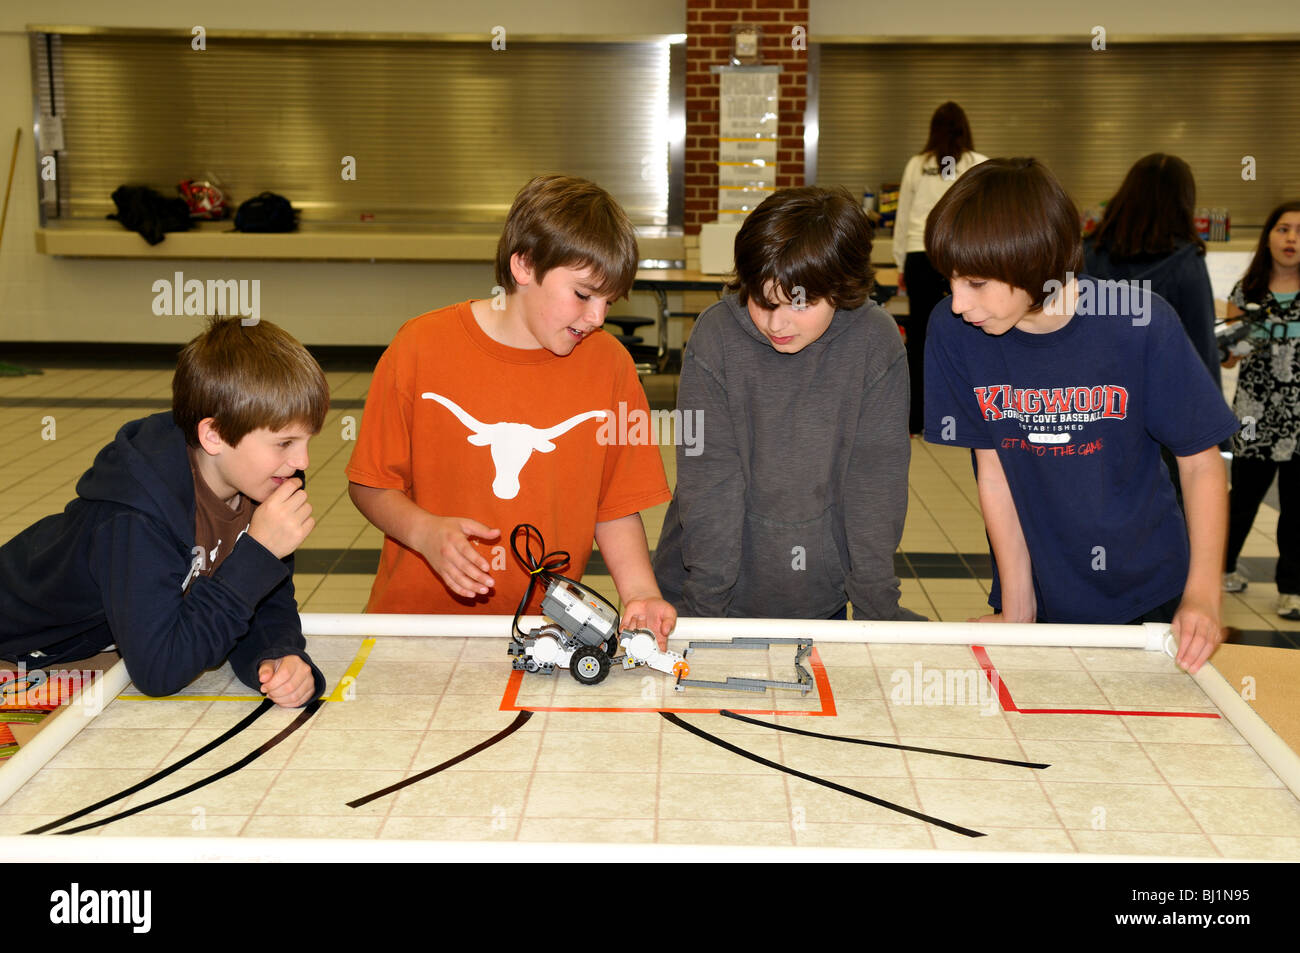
(510, 700)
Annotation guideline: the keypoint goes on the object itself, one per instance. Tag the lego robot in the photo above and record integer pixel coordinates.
(582, 634)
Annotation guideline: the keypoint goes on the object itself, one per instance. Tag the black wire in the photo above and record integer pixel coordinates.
(547, 569)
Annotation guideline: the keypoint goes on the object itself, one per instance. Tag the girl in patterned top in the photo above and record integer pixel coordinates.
(1268, 402)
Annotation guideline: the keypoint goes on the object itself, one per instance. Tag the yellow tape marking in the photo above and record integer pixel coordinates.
(353, 671)
(191, 698)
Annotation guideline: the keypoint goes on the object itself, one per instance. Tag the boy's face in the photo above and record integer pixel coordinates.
(992, 306)
(790, 327)
(257, 464)
(560, 309)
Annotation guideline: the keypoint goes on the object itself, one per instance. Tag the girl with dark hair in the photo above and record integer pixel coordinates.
(1268, 402)
(1149, 234)
(949, 151)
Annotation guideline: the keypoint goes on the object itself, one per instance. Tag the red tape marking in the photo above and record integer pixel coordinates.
(1009, 704)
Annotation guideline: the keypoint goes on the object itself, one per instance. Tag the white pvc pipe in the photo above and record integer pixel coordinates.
(1149, 636)
(63, 724)
(1274, 752)
(207, 850)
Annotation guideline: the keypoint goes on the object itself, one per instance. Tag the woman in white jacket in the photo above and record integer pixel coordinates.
(948, 152)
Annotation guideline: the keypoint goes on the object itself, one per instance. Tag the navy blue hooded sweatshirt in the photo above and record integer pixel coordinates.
(110, 569)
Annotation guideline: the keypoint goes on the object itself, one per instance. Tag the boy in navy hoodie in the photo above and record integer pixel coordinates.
(179, 546)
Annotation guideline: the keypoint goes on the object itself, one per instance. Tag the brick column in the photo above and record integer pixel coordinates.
(708, 43)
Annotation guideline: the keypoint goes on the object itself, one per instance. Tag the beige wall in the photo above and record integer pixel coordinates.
(368, 16)
(1011, 18)
(52, 299)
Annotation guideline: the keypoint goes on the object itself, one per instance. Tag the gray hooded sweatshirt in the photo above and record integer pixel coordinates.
(792, 500)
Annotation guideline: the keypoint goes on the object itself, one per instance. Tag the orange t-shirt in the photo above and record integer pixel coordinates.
(464, 426)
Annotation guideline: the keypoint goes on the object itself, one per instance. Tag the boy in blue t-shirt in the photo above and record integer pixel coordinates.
(1065, 388)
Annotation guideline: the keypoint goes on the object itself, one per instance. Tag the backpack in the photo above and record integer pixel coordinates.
(267, 212)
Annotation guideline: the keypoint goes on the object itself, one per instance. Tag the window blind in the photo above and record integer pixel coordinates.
(441, 132)
(1089, 115)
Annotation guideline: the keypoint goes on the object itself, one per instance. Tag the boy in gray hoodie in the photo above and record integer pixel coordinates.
(793, 502)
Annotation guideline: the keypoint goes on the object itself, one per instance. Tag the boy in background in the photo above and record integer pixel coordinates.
(796, 503)
(491, 413)
(179, 546)
(1065, 391)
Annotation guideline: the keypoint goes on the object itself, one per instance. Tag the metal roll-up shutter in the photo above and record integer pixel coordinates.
(1088, 114)
(440, 131)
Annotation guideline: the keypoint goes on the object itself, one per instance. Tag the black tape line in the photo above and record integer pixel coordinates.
(303, 717)
(713, 739)
(881, 744)
(521, 719)
(251, 717)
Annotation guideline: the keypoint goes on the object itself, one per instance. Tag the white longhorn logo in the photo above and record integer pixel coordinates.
(512, 444)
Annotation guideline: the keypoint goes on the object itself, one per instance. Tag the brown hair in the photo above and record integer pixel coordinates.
(246, 377)
(1153, 210)
(810, 238)
(950, 133)
(1007, 220)
(558, 221)
(1254, 284)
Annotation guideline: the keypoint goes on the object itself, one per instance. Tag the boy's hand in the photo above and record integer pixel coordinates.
(653, 613)
(1196, 626)
(287, 681)
(284, 519)
(998, 617)
(454, 558)
(1026, 613)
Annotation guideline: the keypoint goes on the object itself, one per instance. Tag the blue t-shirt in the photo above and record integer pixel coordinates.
(1077, 417)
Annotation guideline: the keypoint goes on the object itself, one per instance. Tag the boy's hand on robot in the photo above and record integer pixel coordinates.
(287, 681)
(454, 558)
(1198, 632)
(653, 613)
(283, 520)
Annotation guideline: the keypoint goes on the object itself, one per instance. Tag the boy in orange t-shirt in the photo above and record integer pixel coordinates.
(491, 413)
